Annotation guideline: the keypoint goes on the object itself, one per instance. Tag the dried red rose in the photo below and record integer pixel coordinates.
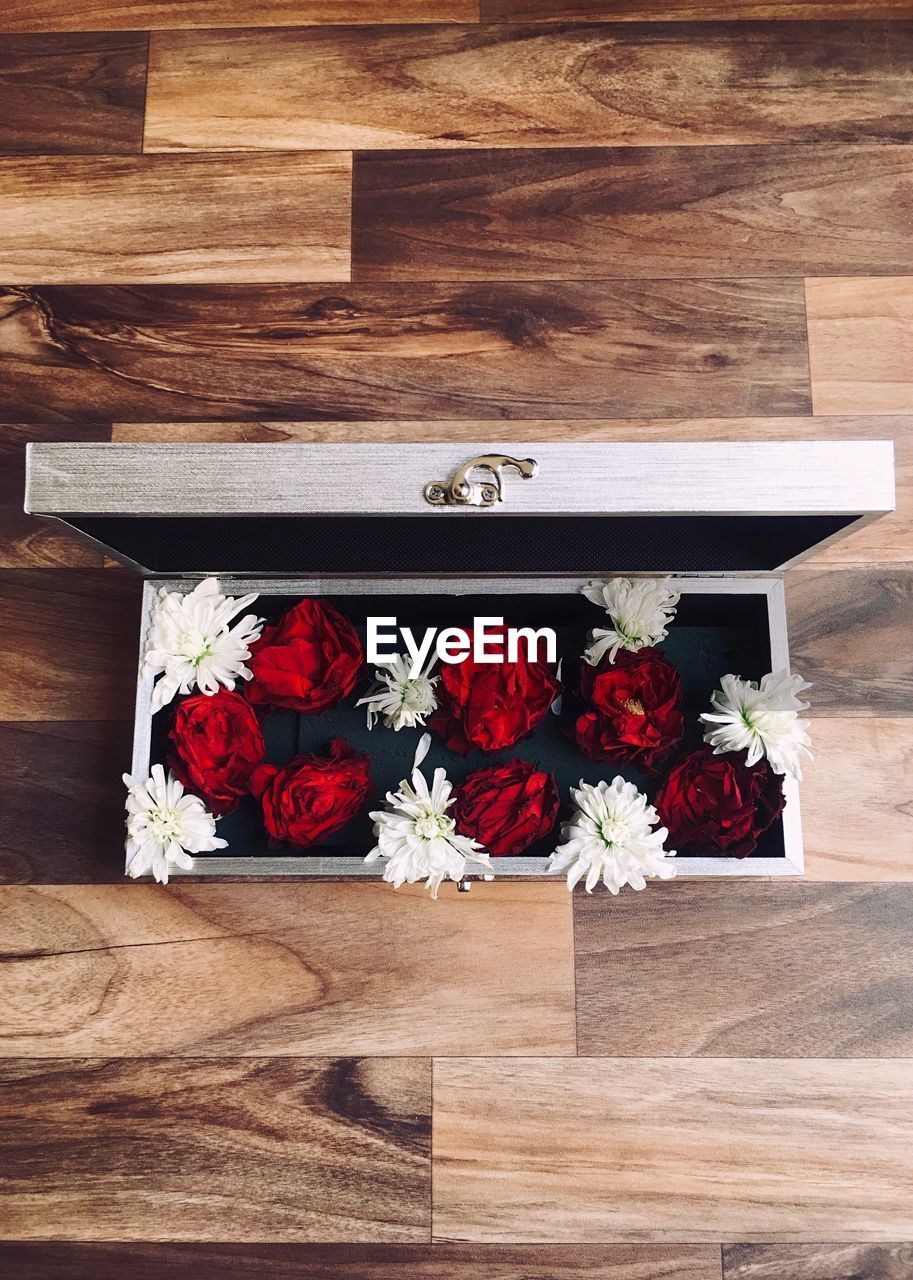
(309, 662)
(506, 807)
(718, 804)
(636, 715)
(492, 705)
(217, 746)
(312, 796)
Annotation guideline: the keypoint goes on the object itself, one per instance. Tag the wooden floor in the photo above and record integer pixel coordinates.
(435, 219)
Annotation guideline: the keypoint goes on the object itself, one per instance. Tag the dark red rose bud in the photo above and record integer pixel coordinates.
(506, 807)
(217, 745)
(309, 662)
(718, 805)
(492, 705)
(636, 715)
(312, 796)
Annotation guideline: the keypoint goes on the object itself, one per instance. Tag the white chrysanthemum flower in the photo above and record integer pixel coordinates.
(611, 838)
(761, 719)
(403, 700)
(165, 826)
(416, 836)
(641, 610)
(190, 642)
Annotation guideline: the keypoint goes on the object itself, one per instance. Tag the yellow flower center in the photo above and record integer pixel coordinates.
(635, 706)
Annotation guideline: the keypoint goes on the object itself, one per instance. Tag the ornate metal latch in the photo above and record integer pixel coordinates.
(461, 491)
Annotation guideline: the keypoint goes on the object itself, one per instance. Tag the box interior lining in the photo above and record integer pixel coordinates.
(712, 634)
(465, 544)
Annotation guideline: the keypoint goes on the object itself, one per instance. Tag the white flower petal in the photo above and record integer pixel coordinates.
(611, 837)
(402, 700)
(416, 835)
(191, 642)
(641, 610)
(165, 827)
(762, 720)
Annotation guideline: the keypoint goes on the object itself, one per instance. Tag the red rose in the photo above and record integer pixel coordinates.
(636, 717)
(717, 804)
(506, 807)
(217, 745)
(313, 796)
(309, 662)
(492, 705)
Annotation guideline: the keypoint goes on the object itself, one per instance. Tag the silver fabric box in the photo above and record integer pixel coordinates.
(419, 521)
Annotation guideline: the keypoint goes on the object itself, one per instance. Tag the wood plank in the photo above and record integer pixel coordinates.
(111, 219)
(582, 350)
(26, 541)
(888, 539)
(245, 1149)
(686, 212)
(687, 10)
(72, 93)
(817, 1261)
(29, 1260)
(87, 15)
(271, 975)
(870, 836)
(749, 969)
(860, 335)
(70, 644)
(62, 800)
(506, 86)
(849, 633)
(653, 1149)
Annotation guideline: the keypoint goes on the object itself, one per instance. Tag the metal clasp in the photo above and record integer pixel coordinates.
(460, 491)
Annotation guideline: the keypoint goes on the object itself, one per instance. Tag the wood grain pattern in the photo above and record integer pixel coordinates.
(629, 212)
(653, 1149)
(92, 1261)
(62, 800)
(849, 633)
(72, 93)
(871, 837)
(817, 1261)
(775, 970)
(860, 335)
(87, 15)
(268, 976)
(105, 219)
(888, 539)
(581, 350)
(26, 541)
(70, 644)
(688, 11)
(504, 86)
(250, 1149)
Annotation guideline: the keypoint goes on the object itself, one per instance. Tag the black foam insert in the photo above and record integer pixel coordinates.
(475, 543)
(711, 635)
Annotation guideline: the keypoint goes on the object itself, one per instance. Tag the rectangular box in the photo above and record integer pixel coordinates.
(435, 531)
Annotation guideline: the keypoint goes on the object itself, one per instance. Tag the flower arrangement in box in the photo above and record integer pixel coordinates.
(279, 725)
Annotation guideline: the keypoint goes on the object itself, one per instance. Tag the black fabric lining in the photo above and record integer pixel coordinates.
(456, 544)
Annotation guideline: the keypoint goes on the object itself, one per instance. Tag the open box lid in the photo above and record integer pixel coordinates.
(415, 509)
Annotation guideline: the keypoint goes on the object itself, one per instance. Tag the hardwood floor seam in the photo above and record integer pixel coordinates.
(595, 84)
